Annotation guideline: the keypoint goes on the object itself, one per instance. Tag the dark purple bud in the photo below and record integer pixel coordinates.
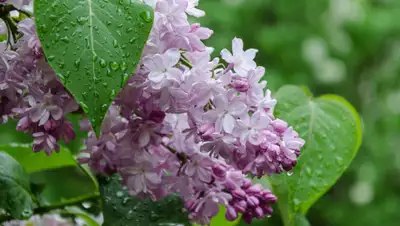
(252, 201)
(157, 116)
(239, 193)
(247, 183)
(269, 197)
(240, 206)
(259, 212)
(231, 213)
(267, 210)
(240, 84)
(257, 188)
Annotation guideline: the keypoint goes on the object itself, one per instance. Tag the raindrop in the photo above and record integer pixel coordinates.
(96, 94)
(125, 79)
(87, 42)
(77, 63)
(129, 29)
(103, 63)
(146, 16)
(125, 201)
(289, 173)
(53, 17)
(105, 84)
(120, 194)
(85, 95)
(108, 72)
(114, 65)
(51, 58)
(115, 43)
(112, 95)
(296, 201)
(65, 39)
(120, 25)
(95, 57)
(87, 205)
(108, 23)
(308, 171)
(339, 160)
(123, 66)
(82, 20)
(27, 213)
(62, 78)
(104, 107)
(132, 40)
(84, 107)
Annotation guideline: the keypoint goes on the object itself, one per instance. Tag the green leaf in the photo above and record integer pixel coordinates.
(55, 179)
(34, 162)
(15, 196)
(93, 46)
(120, 209)
(64, 185)
(332, 131)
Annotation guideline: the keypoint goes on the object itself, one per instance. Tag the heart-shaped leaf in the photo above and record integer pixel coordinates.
(332, 131)
(93, 46)
(15, 196)
(120, 209)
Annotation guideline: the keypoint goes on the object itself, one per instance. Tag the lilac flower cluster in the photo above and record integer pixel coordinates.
(184, 124)
(30, 91)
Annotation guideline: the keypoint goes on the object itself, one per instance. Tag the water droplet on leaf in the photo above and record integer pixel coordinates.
(146, 16)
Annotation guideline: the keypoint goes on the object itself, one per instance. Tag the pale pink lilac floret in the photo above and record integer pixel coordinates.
(184, 124)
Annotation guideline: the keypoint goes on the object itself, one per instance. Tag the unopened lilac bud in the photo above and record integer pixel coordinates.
(259, 212)
(157, 116)
(257, 188)
(231, 213)
(267, 210)
(279, 125)
(23, 124)
(240, 206)
(205, 131)
(247, 183)
(239, 193)
(252, 201)
(219, 171)
(269, 197)
(240, 84)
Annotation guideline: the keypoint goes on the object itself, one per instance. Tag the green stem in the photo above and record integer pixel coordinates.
(185, 62)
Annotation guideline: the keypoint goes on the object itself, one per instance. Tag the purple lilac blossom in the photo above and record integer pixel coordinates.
(184, 124)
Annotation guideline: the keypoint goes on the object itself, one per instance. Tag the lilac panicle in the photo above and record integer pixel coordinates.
(184, 124)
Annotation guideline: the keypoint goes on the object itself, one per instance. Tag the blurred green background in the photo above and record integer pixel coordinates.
(347, 47)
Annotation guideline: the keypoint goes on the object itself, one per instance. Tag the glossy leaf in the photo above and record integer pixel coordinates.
(54, 179)
(120, 209)
(34, 162)
(15, 195)
(332, 131)
(93, 46)
(64, 185)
